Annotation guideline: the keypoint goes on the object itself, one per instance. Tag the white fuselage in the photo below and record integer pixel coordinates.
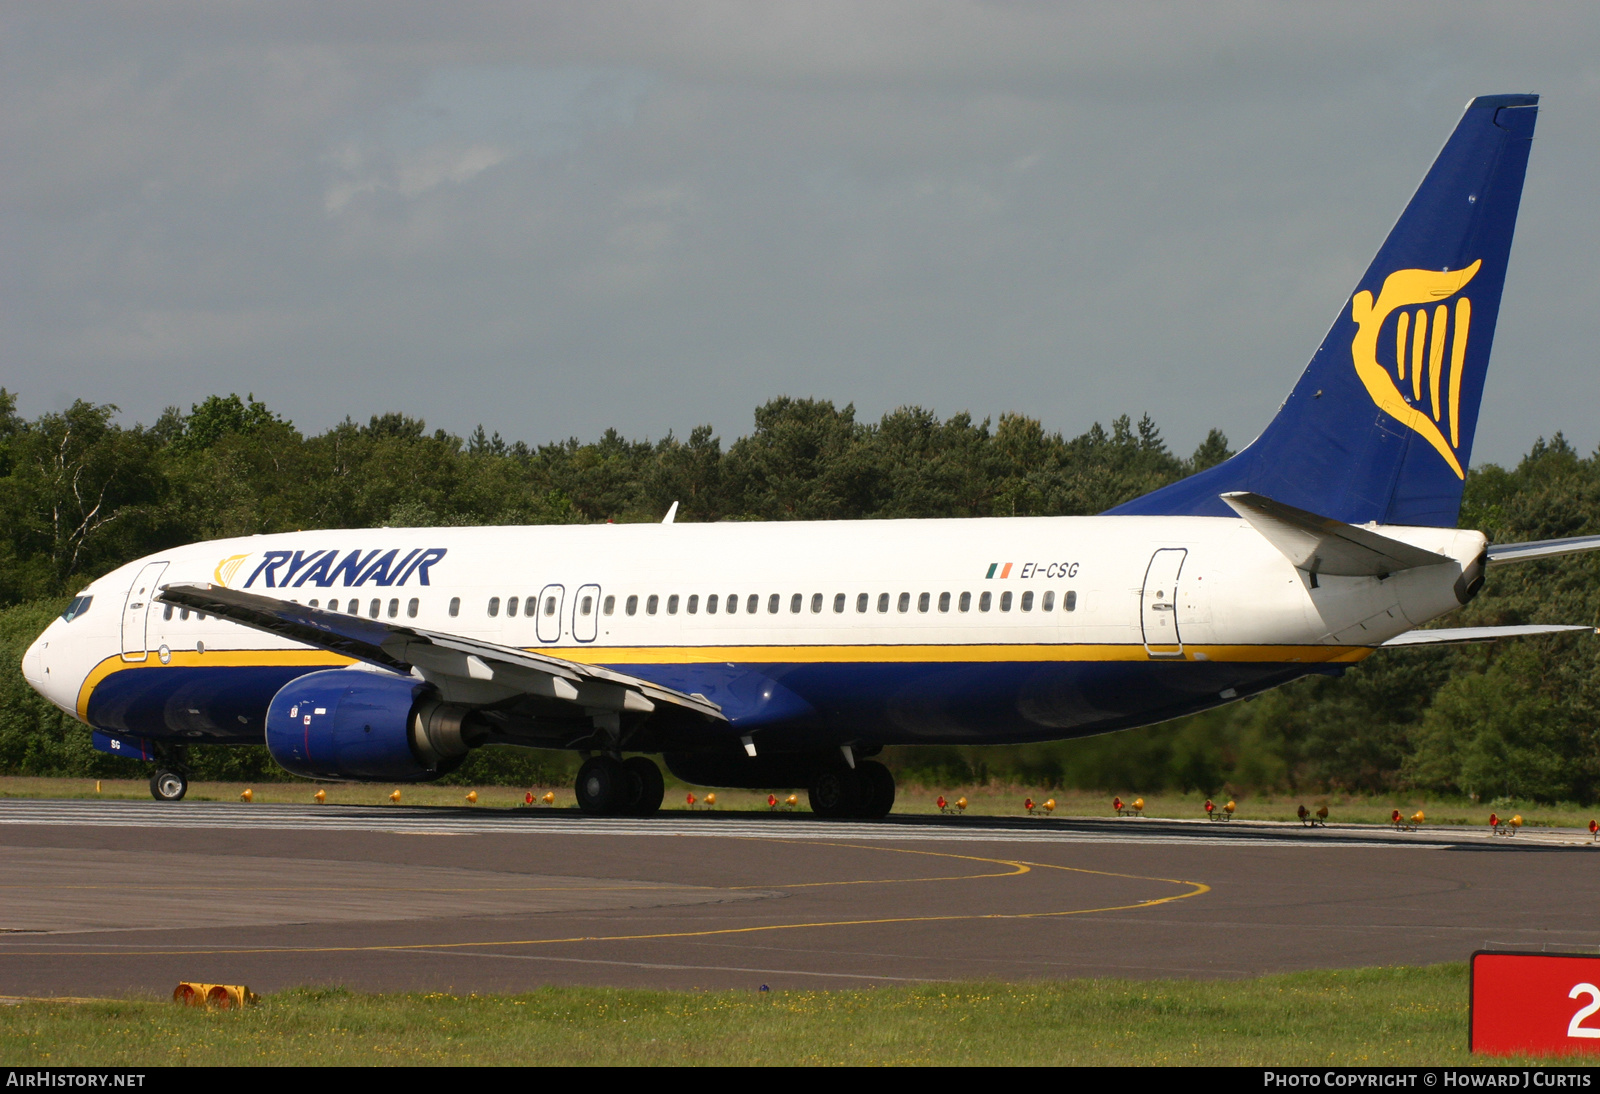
(940, 630)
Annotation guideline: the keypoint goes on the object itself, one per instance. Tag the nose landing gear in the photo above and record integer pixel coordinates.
(168, 786)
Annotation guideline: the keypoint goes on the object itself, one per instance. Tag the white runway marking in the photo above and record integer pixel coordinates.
(440, 822)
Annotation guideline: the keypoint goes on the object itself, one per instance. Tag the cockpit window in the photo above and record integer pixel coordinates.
(79, 605)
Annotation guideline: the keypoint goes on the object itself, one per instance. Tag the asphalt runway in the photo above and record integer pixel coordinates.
(112, 898)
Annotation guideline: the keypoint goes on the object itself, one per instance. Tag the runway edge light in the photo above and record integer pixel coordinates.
(191, 993)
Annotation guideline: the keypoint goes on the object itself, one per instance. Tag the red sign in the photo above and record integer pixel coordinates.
(1535, 1003)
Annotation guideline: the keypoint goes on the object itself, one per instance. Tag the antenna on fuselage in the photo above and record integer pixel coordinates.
(671, 514)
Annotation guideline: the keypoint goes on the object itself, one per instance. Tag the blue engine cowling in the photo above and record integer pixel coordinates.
(350, 724)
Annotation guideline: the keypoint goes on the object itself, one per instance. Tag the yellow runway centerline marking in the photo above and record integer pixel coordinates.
(1195, 888)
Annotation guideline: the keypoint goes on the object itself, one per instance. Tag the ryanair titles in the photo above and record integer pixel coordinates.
(325, 569)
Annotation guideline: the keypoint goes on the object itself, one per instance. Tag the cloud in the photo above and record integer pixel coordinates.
(557, 217)
(468, 119)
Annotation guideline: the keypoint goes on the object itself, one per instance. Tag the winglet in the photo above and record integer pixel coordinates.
(672, 514)
(1321, 545)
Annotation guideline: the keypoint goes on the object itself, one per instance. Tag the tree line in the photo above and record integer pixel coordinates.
(81, 493)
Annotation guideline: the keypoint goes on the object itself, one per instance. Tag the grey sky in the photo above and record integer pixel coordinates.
(553, 218)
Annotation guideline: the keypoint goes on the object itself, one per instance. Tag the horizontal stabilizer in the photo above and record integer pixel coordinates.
(1502, 553)
(1450, 636)
(444, 659)
(1321, 545)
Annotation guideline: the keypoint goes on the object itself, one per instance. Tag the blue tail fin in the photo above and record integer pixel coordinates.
(1380, 426)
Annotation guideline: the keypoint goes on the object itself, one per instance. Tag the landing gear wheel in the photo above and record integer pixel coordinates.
(645, 782)
(602, 786)
(877, 789)
(169, 786)
(835, 792)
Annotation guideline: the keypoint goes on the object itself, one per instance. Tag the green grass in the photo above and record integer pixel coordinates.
(1382, 1016)
(990, 800)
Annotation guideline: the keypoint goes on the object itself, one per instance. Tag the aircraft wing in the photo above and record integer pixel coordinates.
(1445, 636)
(1321, 545)
(464, 669)
(1502, 553)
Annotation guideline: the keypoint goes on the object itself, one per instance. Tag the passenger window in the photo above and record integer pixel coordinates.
(313, 604)
(549, 605)
(838, 603)
(905, 602)
(455, 606)
(1005, 602)
(652, 604)
(862, 601)
(772, 604)
(586, 606)
(1027, 601)
(394, 609)
(354, 608)
(609, 605)
(1048, 603)
(922, 602)
(711, 604)
(183, 616)
(672, 604)
(794, 602)
(166, 613)
(372, 609)
(816, 603)
(632, 605)
(883, 602)
(494, 606)
(733, 603)
(944, 602)
(984, 601)
(511, 606)
(1070, 601)
(411, 608)
(694, 603)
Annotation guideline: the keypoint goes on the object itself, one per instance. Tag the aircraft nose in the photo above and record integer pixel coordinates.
(33, 664)
(36, 666)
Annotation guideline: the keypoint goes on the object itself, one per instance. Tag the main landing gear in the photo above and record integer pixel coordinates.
(866, 791)
(608, 786)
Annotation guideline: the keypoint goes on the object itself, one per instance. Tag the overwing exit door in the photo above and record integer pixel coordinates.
(136, 611)
(1159, 603)
(549, 621)
(586, 613)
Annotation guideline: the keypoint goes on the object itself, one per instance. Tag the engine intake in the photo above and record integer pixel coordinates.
(351, 724)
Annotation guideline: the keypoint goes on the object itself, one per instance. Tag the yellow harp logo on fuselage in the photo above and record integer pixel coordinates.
(227, 568)
(1434, 403)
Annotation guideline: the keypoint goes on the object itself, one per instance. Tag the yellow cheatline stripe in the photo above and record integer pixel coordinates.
(1196, 888)
(761, 655)
(954, 652)
(211, 658)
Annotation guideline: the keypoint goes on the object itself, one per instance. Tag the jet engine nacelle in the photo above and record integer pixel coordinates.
(349, 724)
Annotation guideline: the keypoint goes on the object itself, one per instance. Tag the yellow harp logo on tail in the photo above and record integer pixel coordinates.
(1434, 402)
(227, 568)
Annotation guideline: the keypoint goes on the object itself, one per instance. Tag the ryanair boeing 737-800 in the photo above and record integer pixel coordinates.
(786, 655)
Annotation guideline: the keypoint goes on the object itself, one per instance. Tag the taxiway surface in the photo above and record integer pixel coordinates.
(106, 898)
